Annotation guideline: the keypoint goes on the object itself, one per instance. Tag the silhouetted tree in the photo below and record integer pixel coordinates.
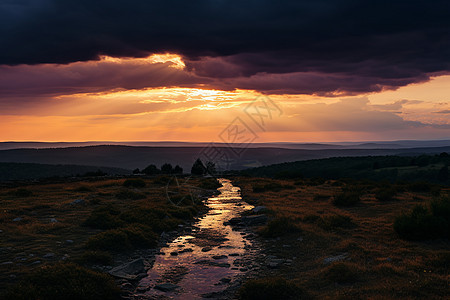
(210, 168)
(198, 168)
(443, 174)
(166, 168)
(136, 171)
(151, 170)
(178, 170)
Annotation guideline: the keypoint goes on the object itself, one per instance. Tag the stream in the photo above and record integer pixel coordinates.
(205, 258)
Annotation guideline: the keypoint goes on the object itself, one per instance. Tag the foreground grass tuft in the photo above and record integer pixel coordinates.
(280, 226)
(424, 223)
(66, 282)
(270, 288)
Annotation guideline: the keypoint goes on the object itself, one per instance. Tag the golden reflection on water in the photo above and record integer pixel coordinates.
(206, 255)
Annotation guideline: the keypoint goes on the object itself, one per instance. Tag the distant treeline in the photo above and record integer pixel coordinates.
(28, 171)
(431, 168)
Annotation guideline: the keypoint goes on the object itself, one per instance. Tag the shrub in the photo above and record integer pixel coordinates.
(210, 184)
(83, 189)
(130, 237)
(270, 288)
(346, 198)
(280, 226)
(335, 221)
(66, 281)
(140, 236)
(21, 193)
(104, 218)
(136, 183)
(425, 223)
(129, 195)
(341, 272)
(272, 187)
(95, 257)
(385, 194)
(420, 187)
(320, 197)
(113, 240)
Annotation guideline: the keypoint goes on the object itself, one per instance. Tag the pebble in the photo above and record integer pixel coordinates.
(219, 256)
(53, 220)
(49, 255)
(69, 241)
(6, 263)
(18, 219)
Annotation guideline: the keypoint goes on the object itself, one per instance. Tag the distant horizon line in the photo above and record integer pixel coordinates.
(212, 142)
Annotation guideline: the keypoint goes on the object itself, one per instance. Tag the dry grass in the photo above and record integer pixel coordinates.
(50, 223)
(378, 264)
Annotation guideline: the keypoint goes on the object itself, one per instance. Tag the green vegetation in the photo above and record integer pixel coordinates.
(64, 282)
(426, 168)
(424, 223)
(346, 198)
(342, 272)
(135, 183)
(333, 222)
(272, 187)
(270, 288)
(280, 226)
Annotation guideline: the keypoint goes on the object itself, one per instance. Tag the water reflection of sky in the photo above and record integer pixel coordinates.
(194, 270)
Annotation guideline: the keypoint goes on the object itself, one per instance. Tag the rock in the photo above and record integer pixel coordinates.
(219, 256)
(259, 209)
(130, 270)
(77, 202)
(174, 253)
(234, 254)
(332, 259)
(206, 249)
(49, 255)
(243, 269)
(254, 220)
(126, 286)
(69, 241)
(275, 263)
(166, 287)
(6, 263)
(18, 219)
(1, 231)
(225, 280)
(53, 220)
(37, 262)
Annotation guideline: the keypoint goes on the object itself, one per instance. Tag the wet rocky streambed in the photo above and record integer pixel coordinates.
(207, 259)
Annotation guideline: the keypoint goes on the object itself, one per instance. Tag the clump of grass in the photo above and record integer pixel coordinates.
(346, 198)
(420, 187)
(272, 187)
(21, 193)
(342, 272)
(385, 194)
(334, 222)
(270, 288)
(311, 218)
(280, 226)
(127, 238)
(95, 257)
(136, 183)
(106, 217)
(321, 197)
(64, 282)
(210, 184)
(83, 189)
(110, 240)
(129, 195)
(424, 223)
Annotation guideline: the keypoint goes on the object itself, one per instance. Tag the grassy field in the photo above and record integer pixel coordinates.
(88, 222)
(372, 260)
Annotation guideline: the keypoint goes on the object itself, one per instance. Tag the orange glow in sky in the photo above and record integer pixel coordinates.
(419, 111)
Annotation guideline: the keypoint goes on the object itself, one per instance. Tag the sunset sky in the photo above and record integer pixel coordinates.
(137, 70)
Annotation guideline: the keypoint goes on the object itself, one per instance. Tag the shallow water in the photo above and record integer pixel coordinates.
(205, 255)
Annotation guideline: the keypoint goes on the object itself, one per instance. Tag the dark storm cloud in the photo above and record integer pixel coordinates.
(385, 43)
